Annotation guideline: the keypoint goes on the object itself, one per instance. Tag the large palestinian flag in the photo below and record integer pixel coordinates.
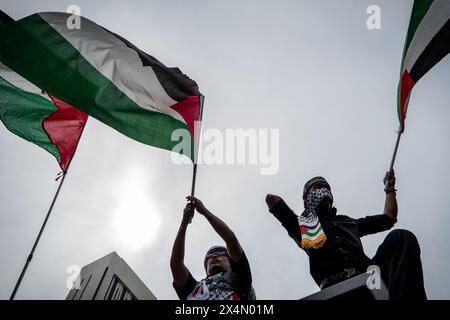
(105, 76)
(38, 117)
(427, 42)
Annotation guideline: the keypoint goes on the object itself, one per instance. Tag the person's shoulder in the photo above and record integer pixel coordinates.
(185, 290)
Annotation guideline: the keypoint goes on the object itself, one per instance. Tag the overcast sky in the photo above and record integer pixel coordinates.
(311, 69)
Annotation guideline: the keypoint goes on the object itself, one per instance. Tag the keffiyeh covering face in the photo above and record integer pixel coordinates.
(311, 230)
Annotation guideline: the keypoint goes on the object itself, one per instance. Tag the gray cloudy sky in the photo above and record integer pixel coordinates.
(311, 69)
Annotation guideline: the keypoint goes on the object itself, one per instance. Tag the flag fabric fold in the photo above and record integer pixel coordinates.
(427, 42)
(38, 117)
(35, 116)
(103, 75)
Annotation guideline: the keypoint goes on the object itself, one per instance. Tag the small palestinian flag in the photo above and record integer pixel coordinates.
(311, 232)
(35, 116)
(427, 42)
(105, 76)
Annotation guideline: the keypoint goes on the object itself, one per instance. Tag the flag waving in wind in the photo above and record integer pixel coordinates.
(427, 42)
(103, 75)
(38, 117)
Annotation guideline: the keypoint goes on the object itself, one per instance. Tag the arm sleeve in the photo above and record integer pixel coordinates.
(374, 224)
(288, 219)
(184, 291)
(241, 270)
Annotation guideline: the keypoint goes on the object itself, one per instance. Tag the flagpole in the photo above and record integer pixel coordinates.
(194, 176)
(394, 155)
(30, 256)
(194, 168)
(399, 134)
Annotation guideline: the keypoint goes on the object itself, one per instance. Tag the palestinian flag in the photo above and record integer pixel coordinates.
(427, 42)
(34, 115)
(105, 76)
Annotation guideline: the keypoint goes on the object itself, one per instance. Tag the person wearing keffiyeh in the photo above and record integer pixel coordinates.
(228, 274)
(333, 242)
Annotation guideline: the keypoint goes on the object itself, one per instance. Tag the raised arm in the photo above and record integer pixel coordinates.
(234, 248)
(179, 270)
(285, 215)
(390, 203)
(272, 200)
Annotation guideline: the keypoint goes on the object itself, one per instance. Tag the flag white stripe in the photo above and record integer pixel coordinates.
(19, 82)
(305, 236)
(115, 61)
(433, 21)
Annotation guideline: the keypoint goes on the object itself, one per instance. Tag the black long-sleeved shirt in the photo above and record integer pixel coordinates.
(343, 248)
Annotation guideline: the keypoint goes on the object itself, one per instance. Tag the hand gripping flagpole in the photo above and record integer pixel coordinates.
(394, 154)
(196, 145)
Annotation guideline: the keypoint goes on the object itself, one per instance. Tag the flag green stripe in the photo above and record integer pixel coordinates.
(419, 10)
(32, 48)
(23, 113)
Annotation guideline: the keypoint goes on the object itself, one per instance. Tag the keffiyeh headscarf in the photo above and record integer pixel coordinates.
(312, 234)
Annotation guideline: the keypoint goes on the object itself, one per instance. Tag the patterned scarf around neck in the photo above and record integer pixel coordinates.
(311, 230)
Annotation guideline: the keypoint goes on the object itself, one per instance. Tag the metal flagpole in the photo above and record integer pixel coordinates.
(399, 134)
(194, 175)
(194, 169)
(394, 155)
(30, 256)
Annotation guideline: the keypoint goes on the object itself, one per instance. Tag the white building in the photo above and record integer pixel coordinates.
(109, 278)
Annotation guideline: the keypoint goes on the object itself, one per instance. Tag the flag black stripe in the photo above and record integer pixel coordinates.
(5, 19)
(437, 49)
(177, 85)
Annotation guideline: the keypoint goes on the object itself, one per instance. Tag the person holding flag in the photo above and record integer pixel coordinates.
(333, 242)
(228, 275)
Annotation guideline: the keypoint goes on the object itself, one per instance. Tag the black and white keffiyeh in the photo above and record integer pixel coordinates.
(311, 230)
